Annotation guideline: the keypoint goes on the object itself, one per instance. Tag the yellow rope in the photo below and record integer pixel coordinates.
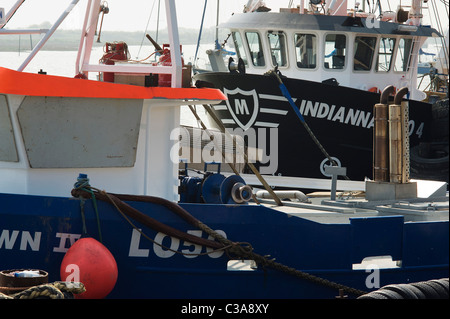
(56, 290)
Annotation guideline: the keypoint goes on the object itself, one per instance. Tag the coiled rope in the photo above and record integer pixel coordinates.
(55, 290)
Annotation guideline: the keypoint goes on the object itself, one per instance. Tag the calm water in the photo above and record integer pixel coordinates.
(63, 62)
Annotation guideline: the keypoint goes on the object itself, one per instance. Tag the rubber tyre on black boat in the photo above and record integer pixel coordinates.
(430, 161)
(406, 291)
(431, 289)
(439, 131)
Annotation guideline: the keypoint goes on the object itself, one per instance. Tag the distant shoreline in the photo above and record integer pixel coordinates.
(69, 40)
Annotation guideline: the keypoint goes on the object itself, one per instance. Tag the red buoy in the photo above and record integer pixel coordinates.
(91, 263)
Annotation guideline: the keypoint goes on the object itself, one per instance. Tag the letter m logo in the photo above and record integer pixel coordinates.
(243, 106)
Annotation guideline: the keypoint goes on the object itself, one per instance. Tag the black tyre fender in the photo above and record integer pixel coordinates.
(373, 295)
(428, 291)
(444, 283)
(439, 128)
(406, 291)
(443, 293)
(432, 289)
(389, 294)
(439, 110)
(437, 159)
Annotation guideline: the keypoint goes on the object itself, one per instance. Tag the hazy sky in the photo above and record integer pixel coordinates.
(189, 12)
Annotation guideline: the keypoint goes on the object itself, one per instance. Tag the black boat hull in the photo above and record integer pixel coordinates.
(340, 117)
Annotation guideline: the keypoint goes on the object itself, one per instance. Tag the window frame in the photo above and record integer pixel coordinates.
(286, 47)
(316, 49)
(242, 49)
(324, 41)
(373, 53)
(261, 45)
(391, 62)
(397, 51)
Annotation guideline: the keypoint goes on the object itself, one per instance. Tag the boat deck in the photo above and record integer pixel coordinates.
(340, 211)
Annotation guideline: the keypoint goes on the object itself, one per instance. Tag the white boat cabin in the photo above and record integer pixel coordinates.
(52, 127)
(358, 52)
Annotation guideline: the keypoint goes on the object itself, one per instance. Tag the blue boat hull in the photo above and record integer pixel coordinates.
(35, 232)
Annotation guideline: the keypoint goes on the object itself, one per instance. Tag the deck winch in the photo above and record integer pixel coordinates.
(213, 188)
(114, 52)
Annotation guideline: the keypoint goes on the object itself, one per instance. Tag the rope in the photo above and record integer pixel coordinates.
(151, 240)
(286, 93)
(200, 32)
(213, 139)
(243, 153)
(149, 221)
(83, 183)
(241, 250)
(441, 30)
(56, 290)
(146, 28)
(246, 252)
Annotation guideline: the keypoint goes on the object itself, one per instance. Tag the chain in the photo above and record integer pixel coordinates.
(234, 250)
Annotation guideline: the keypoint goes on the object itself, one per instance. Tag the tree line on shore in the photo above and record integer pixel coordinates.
(69, 40)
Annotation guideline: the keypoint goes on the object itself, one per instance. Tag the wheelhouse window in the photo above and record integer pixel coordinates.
(402, 59)
(364, 51)
(385, 54)
(277, 43)
(239, 45)
(256, 49)
(306, 50)
(335, 51)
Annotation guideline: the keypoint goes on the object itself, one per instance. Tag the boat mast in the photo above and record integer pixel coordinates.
(415, 13)
(217, 21)
(11, 12)
(337, 8)
(48, 33)
(252, 5)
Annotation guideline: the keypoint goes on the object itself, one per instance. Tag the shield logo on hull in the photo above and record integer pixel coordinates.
(243, 106)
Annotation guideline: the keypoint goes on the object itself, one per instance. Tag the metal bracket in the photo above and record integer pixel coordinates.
(335, 171)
